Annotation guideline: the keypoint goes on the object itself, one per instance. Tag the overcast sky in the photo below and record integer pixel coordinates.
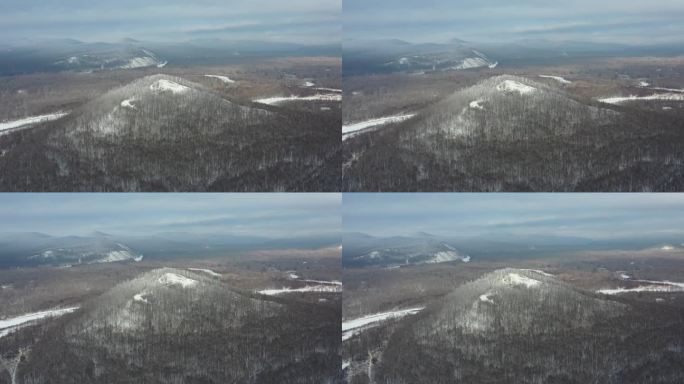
(621, 21)
(299, 21)
(267, 214)
(597, 216)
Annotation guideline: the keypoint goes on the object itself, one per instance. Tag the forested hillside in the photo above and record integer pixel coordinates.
(509, 133)
(163, 133)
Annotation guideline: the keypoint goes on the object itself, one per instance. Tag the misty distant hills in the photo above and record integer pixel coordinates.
(56, 55)
(362, 250)
(164, 133)
(508, 325)
(31, 249)
(393, 55)
(509, 133)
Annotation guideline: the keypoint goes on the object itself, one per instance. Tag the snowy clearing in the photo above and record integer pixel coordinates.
(509, 86)
(516, 279)
(140, 297)
(557, 78)
(476, 104)
(624, 276)
(12, 324)
(308, 288)
(207, 271)
(355, 326)
(345, 364)
(225, 79)
(292, 275)
(667, 248)
(140, 62)
(329, 89)
(309, 84)
(175, 279)
(349, 128)
(653, 286)
(486, 299)
(166, 85)
(332, 282)
(473, 62)
(279, 100)
(539, 272)
(656, 96)
(128, 103)
(31, 120)
(643, 84)
(162, 64)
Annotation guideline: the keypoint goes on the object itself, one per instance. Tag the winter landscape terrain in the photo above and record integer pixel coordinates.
(194, 116)
(210, 302)
(250, 315)
(538, 307)
(529, 116)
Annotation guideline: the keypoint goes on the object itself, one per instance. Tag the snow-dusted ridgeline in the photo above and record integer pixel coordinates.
(557, 78)
(31, 120)
(356, 326)
(307, 289)
(207, 271)
(224, 79)
(12, 324)
(656, 96)
(356, 127)
(650, 286)
(281, 99)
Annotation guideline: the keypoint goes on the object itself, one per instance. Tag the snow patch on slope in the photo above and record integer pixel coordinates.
(557, 78)
(349, 128)
(280, 100)
(509, 86)
(12, 324)
(225, 79)
(31, 120)
(128, 103)
(176, 279)
(517, 279)
(656, 96)
(166, 85)
(307, 289)
(207, 271)
(355, 326)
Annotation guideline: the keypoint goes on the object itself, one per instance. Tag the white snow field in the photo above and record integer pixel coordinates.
(225, 79)
(356, 326)
(557, 78)
(166, 85)
(350, 128)
(175, 279)
(651, 286)
(279, 100)
(31, 120)
(656, 96)
(476, 104)
(486, 299)
(509, 86)
(140, 297)
(128, 103)
(539, 272)
(207, 271)
(12, 324)
(140, 62)
(307, 289)
(516, 279)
